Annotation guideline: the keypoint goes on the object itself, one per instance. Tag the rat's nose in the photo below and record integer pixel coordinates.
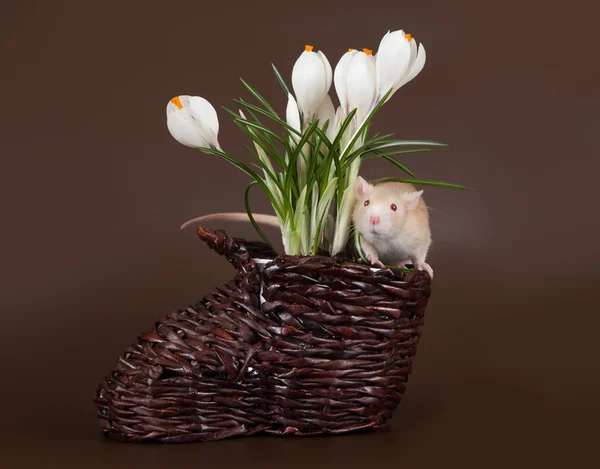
(374, 220)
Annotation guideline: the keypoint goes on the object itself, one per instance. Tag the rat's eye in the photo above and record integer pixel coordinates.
(366, 202)
(393, 207)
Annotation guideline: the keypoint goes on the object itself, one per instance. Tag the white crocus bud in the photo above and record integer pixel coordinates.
(193, 122)
(398, 61)
(292, 117)
(340, 78)
(333, 129)
(361, 84)
(311, 80)
(326, 112)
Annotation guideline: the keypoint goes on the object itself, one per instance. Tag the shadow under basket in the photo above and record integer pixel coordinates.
(291, 346)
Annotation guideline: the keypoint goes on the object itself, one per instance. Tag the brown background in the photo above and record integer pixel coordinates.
(94, 188)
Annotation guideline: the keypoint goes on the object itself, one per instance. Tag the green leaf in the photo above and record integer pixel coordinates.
(364, 126)
(299, 211)
(323, 209)
(379, 154)
(322, 133)
(230, 159)
(281, 80)
(273, 117)
(333, 153)
(293, 157)
(254, 131)
(256, 139)
(397, 143)
(396, 163)
(313, 209)
(343, 220)
(251, 217)
(258, 96)
(261, 128)
(423, 182)
(305, 233)
(359, 248)
(246, 169)
(372, 147)
(316, 161)
(271, 179)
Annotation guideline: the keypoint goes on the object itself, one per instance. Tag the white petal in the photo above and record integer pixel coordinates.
(326, 112)
(332, 130)
(361, 84)
(340, 77)
(292, 114)
(327, 69)
(212, 138)
(413, 52)
(182, 128)
(417, 66)
(393, 58)
(349, 132)
(411, 62)
(309, 80)
(203, 112)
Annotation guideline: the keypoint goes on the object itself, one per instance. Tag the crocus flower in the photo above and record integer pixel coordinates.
(340, 78)
(292, 116)
(361, 83)
(362, 79)
(326, 112)
(193, 122)
(398, 61)
(311, 80)
(334, 128)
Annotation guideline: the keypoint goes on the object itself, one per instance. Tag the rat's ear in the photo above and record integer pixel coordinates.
(412, 199)
(362, 187)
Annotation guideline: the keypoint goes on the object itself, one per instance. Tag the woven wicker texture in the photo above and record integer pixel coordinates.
(329, 351)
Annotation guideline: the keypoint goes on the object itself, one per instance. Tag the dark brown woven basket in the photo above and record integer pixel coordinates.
(328, 351)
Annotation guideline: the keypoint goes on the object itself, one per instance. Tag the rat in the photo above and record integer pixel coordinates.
(393, 222)
(391, 217)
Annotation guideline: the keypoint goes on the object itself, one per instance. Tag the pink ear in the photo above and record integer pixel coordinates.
(362, 187)
(412, 199)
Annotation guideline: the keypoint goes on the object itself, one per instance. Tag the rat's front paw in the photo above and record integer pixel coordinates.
(374, 260)
(426, 267)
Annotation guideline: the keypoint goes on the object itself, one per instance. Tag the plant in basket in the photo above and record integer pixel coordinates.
(320, 338)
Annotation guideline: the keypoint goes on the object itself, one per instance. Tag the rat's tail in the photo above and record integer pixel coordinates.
(270, 220)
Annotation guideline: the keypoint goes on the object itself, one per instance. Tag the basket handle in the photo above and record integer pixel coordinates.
(233, 250)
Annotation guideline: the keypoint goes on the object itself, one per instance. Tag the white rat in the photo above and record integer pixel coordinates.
(393, 222)
(392, 219)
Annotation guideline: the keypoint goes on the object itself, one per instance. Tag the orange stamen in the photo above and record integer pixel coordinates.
(308, 48)
(408, 37)
(368, 51)
(350, 49)
(177, 102)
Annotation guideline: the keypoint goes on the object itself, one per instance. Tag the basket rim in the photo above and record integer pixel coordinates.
(261, 262)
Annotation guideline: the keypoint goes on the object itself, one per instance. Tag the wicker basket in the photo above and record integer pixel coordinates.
(302, 346)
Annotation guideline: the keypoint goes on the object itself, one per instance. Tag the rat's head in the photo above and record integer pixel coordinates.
(381, 210)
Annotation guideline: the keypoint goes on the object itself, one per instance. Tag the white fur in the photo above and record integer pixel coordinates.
(400, 237)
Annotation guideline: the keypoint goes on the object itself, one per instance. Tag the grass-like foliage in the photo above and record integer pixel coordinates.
(309, 176)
